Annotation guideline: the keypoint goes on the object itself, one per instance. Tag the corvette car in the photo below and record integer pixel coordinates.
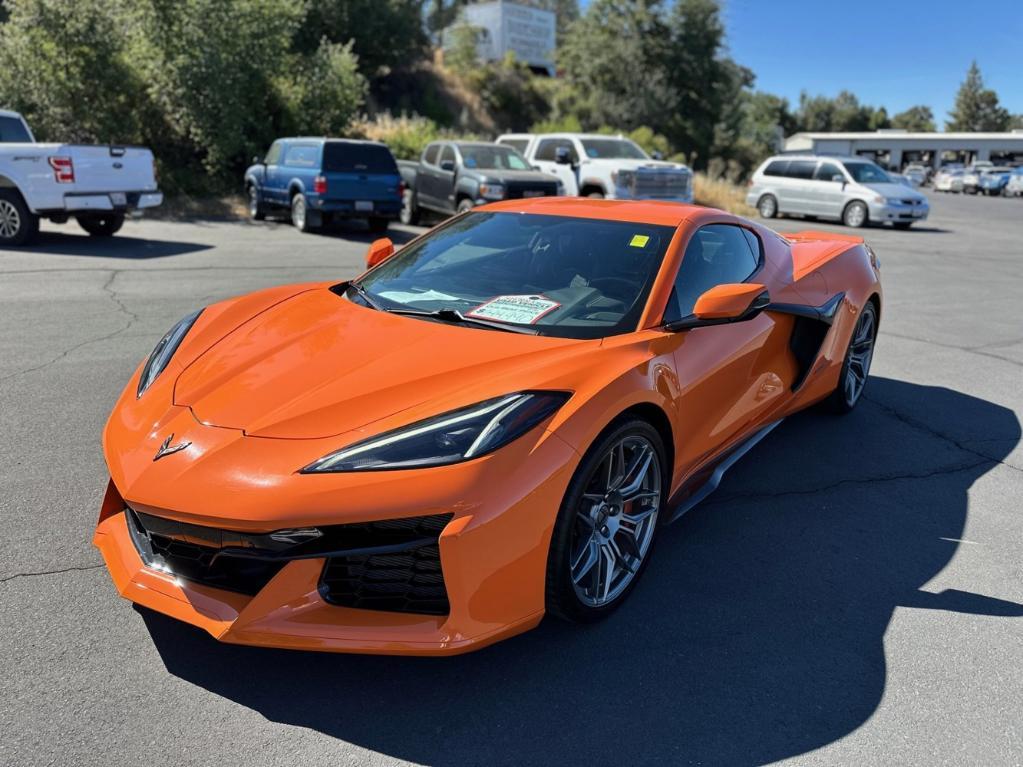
(493, 423)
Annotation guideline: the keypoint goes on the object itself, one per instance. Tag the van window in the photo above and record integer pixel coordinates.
(717, 254)
(302, 155)
(776, 168)
(349, 157)
(430, 155)
(826, 170)
(801, 169)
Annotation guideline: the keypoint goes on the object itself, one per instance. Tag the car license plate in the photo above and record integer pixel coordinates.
(118, 198)
(363, 205)
(533, 193)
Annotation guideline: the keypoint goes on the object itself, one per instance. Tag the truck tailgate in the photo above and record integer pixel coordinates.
(110, 168)
(377, 187)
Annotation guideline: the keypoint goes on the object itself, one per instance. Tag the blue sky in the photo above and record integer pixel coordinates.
(893, 53)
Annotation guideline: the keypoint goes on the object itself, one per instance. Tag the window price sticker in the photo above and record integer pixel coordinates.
(522, 310)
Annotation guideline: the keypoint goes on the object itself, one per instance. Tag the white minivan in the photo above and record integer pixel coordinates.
(852, 190)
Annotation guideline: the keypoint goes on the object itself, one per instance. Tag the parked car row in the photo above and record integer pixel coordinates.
(852, 190)
(980, 178)
(317, 180)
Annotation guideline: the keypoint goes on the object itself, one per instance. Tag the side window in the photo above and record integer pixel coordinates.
(447, 155)
(802, 169)
(430, 155)
(302, 156)
(776, 168)
(546, 149)
(826, 170)
(274, 155)
(717, 254)
(570, 146)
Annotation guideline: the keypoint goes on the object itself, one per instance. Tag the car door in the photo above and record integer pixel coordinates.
(797, 187)
(728, 375)
(545, 159)
(445, 175)
(827, 195)
(272, 173)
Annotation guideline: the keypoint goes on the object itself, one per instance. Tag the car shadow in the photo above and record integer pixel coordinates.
(355, 231)
(118, 246)
(755, 635)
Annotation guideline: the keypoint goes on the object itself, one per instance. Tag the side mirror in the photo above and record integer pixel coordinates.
(657, 155)
(722, 304)
(448, 165)
(562, 156)
(379, 251)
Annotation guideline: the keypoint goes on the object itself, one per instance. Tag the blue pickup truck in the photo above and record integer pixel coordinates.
(319, 180)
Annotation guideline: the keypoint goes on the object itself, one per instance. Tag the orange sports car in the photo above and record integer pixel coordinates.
(491, 424)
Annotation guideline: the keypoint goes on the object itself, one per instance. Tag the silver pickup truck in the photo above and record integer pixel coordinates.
(96, 184)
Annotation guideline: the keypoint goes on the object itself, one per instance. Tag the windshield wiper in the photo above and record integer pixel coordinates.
(453, 315)
(362, 293)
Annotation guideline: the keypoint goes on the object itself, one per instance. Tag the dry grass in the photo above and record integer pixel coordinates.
(183, 208)
(721, 193)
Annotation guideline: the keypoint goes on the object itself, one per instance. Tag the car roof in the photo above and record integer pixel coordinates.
(639, 211)
(332, 140)
(815, 157)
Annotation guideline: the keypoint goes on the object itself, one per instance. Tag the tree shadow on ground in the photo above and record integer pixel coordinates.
(755, 635)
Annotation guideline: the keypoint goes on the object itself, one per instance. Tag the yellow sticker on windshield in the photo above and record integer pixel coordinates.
(639, 241)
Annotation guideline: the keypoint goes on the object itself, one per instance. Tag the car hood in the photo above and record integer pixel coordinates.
(634, 164)
(514, 175)
(895, 190)
(317, 365)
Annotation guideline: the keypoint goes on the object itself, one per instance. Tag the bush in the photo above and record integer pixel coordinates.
(321, 93)
(407, 136)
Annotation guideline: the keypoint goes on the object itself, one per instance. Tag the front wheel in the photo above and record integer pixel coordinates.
(856, 365)
(465, 205)
(257, 211)
(605, 530)
(18, 225)
(855, 215)
(101, 225)
(409, 209)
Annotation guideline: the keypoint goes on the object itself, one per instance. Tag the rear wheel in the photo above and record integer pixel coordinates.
(855, 214)
(856, 366)
(300, 217)
(605, 529)
(767, 206)
(18, 225)
(101, 224)
(409, 208)
(256, 209)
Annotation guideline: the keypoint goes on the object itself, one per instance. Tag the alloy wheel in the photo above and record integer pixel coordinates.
(861, 352)
(298, 213)
(615, 521)
(10, 220)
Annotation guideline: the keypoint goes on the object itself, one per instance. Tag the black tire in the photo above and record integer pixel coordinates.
(840, 402)
(301, 216)
(101, 224)
(902, 224)
(410, 214)
(767, 206)
(595, 195)
(378, 225)
(561, 597)
(18, 225)
(856, 214)
(465, 205)
(257, 209)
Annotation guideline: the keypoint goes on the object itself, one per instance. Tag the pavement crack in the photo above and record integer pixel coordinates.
(978, 350)
(73, 568)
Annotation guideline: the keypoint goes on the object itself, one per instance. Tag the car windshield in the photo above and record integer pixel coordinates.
(867, 173)
(561, 276)
(492, 157)
(613, 149)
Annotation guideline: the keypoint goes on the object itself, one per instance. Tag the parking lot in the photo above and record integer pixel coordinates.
(853, 593)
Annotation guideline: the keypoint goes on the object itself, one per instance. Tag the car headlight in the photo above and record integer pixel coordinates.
(891, 200)
(458, 435)
(492, 191)
(164, 350)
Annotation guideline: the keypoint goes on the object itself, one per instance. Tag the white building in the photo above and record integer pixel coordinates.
(527, 32)
(894, 149)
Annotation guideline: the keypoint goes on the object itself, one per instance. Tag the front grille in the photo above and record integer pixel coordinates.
(655, 182)
(409, 581)
(391, 564)
(515, 190)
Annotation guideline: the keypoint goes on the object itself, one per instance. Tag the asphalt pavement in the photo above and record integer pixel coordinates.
(852, 594)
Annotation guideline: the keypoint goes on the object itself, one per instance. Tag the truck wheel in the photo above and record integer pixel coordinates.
(378, 225)
(595, 195)
(18, 225)
(300, 217)
(465, 204)
(101, 224)
(257, 211)
(409, 209)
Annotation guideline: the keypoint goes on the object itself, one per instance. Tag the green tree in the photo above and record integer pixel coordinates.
(844, 112)
(976, 107)
(918, 118)
(321, 93)
(65, 67)
(461, 53)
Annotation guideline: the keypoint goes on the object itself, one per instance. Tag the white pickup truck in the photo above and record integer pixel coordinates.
(598, 165)
(96, 184)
